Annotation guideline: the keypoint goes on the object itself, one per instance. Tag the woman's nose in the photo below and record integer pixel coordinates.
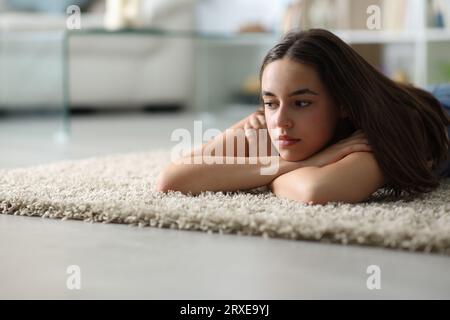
(283, 119)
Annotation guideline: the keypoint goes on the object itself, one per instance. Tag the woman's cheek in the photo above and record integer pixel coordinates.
(321, 124)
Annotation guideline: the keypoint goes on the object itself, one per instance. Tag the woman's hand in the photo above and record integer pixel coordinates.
(255, 121)
(253, 124)
(357, 142)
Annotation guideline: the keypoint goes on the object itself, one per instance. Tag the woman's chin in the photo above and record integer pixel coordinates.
(290, 156)
(295, 155)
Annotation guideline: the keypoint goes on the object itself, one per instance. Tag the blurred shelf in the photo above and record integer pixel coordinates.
(380, 37)
(437, 35)
(269, 38)
(375, 37)
(256, 38)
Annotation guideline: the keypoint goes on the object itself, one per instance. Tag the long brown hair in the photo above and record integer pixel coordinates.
(405, 125)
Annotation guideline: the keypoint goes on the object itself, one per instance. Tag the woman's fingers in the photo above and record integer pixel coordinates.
(262, 120)
(356, 147)
(357, 141)
(256, 121)
(248, 129)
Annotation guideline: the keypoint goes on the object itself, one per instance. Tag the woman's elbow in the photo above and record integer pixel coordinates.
(314, 196)
(304, 194)
(309, 196)
(162, 183)
(324, 196)
(166, 182)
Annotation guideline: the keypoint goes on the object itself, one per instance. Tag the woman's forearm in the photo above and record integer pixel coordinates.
(197, 174)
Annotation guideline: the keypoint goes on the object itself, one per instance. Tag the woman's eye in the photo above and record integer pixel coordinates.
(269, 104)
(302, 103)
(297, 103)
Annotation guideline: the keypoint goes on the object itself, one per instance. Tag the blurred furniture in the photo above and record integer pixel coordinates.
(105, 72)
(411, 44)
(117, 69)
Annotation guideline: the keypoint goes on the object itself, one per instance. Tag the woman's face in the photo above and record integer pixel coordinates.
(297, 104)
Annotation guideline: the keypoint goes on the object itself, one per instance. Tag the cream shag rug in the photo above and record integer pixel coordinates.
(121, 189)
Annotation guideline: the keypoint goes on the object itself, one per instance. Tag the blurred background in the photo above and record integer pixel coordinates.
(120, 75)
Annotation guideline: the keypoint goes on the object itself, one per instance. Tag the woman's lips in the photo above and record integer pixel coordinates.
(287, 143)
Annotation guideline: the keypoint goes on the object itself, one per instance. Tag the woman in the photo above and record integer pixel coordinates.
(340, 128)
